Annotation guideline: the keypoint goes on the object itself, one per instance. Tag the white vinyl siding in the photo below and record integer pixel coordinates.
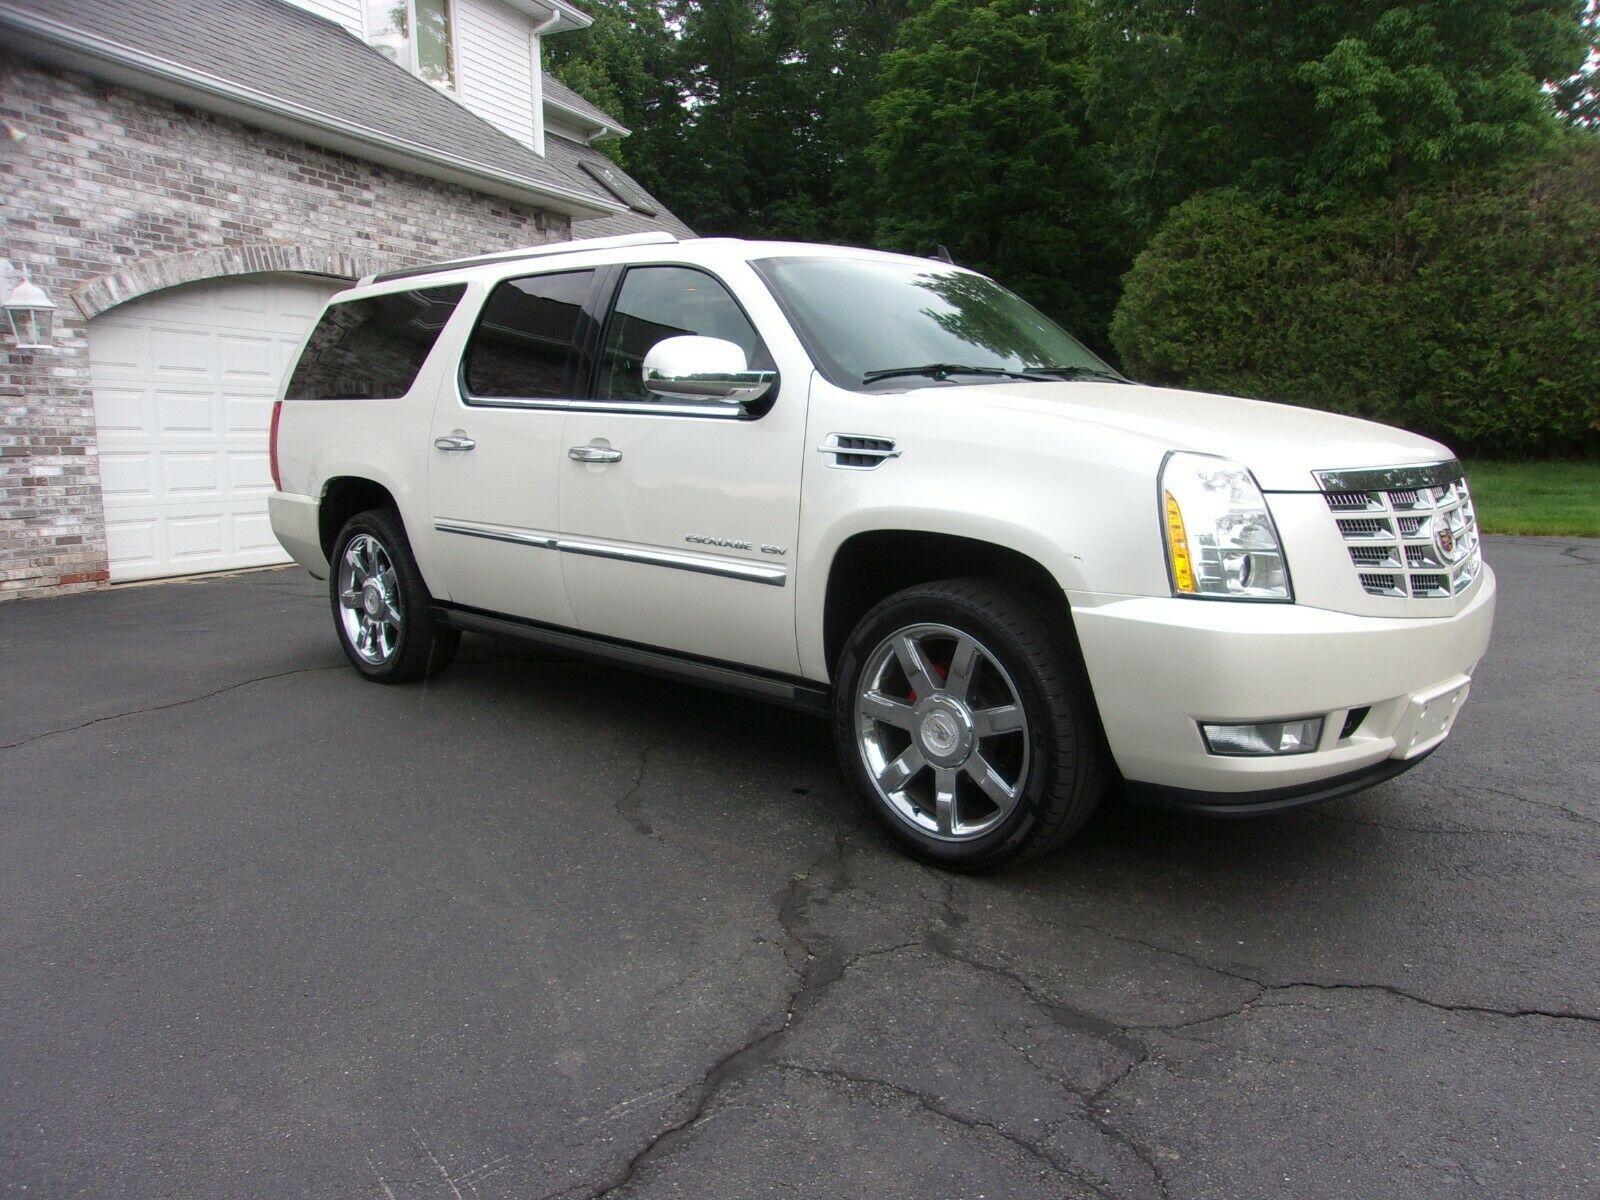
(341, 12)
(494, 65)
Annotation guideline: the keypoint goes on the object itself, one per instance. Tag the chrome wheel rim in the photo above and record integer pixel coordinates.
(369, 599)
(942, 732)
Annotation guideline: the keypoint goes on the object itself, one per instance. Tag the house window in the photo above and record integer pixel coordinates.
(417, 35)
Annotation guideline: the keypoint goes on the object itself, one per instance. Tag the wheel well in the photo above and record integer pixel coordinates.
(871, 566)
(343, 498)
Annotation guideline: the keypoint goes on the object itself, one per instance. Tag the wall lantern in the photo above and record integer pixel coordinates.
(29, 311)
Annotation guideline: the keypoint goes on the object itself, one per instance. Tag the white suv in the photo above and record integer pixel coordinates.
(886, 489)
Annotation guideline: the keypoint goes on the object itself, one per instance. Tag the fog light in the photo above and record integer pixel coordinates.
(1268, 737)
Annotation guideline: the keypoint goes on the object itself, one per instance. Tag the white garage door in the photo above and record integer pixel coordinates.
(183, 386)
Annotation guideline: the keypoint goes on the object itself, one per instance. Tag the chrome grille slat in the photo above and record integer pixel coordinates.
(1418, 541)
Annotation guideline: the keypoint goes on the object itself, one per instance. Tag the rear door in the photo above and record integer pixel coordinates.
(496, 446)
(683, 539)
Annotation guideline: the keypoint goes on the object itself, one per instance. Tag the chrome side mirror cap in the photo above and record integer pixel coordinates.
(700, 370)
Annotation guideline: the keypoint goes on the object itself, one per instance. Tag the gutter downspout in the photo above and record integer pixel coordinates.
(543, 27)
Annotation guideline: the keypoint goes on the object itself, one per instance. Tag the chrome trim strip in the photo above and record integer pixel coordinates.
(723, 412)
(511, 402)
(771, 574)
(752, 572)
(1390, 479)
(519, 537)
(730, 412)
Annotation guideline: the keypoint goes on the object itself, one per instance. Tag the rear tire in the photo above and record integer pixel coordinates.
(964, 720)
(381, 607)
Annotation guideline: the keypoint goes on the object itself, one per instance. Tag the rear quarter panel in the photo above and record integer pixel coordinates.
(386, 441)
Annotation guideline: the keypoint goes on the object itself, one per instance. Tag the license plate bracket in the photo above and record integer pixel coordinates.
(1430, 716)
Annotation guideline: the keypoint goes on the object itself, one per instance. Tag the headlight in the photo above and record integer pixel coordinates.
(1220, 538)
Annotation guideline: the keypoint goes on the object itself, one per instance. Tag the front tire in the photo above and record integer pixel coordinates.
(963, 719)
(381, 606)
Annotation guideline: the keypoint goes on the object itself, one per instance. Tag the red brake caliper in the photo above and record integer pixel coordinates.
(942, 671)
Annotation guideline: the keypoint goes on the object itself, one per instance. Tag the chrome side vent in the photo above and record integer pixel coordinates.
(857, 451)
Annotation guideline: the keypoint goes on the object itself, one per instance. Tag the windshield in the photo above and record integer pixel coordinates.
(872, 322)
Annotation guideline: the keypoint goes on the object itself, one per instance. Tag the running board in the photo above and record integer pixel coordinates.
(795, 693)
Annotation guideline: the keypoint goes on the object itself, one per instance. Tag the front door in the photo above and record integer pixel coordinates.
(678, 527)
(496, 448)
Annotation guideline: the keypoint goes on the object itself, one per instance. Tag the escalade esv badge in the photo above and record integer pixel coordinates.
(726, 543)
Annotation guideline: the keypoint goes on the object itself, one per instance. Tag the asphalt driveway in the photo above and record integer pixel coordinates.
(542, 928)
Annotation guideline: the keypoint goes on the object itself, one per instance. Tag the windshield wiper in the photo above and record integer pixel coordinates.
(1080, 372)
(942, 371)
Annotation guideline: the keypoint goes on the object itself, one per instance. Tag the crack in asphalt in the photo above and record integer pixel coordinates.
(1117, 1036)
(1571, 814)
(1270, 985)
(233, 687)
(1270, 989)
(1572, 552)
(937, 1107)
(629, 803)
(153, 708)
(819, 964)
(822, 967)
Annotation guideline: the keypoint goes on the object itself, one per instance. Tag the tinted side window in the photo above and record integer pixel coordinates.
(522, 347)
(372, 349)
(661, 302)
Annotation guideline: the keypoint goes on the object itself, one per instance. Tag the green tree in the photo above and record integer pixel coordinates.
(1468, 310)
(1322, 99)
(1578, 96)
(980, 145)
(627, 63)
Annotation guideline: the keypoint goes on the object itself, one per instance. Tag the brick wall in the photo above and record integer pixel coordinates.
(103, 179)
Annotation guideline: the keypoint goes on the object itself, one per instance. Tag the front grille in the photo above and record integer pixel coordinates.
(1412, 533)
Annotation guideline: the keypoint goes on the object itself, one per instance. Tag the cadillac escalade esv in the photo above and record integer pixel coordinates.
(886, 489)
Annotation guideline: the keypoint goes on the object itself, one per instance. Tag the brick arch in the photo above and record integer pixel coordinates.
(169, 270)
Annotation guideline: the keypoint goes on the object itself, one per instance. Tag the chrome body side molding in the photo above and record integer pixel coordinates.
(771, 574)
(704, 564)
(519, 537)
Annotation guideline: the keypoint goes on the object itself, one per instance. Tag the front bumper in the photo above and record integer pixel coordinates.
(1161, 666)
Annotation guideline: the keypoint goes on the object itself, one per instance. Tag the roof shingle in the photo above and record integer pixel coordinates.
(577, 156)
(556, 92)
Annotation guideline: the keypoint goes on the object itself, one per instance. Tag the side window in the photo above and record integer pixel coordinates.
(661, 302)
(372, 349)
(522, 347)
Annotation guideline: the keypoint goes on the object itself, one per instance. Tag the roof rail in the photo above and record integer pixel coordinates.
(657, 237)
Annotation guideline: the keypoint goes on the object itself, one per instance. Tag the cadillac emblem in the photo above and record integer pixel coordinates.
(1445, 540)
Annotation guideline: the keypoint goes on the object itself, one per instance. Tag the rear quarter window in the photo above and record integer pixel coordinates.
(372, 349)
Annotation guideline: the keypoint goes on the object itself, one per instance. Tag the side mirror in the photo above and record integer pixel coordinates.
(694, 370)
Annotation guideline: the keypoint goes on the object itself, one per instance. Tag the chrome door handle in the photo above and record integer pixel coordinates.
(455, 441)
(594, 454)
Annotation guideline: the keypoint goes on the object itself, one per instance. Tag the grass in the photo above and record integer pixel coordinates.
(1561, 498)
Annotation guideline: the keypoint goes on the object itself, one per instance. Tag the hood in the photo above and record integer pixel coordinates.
(1280, 443)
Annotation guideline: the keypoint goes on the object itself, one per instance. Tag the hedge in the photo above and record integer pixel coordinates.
(1470, 314)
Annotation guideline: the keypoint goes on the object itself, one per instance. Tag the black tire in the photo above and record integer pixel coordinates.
(1067, 764)
(423, 646)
